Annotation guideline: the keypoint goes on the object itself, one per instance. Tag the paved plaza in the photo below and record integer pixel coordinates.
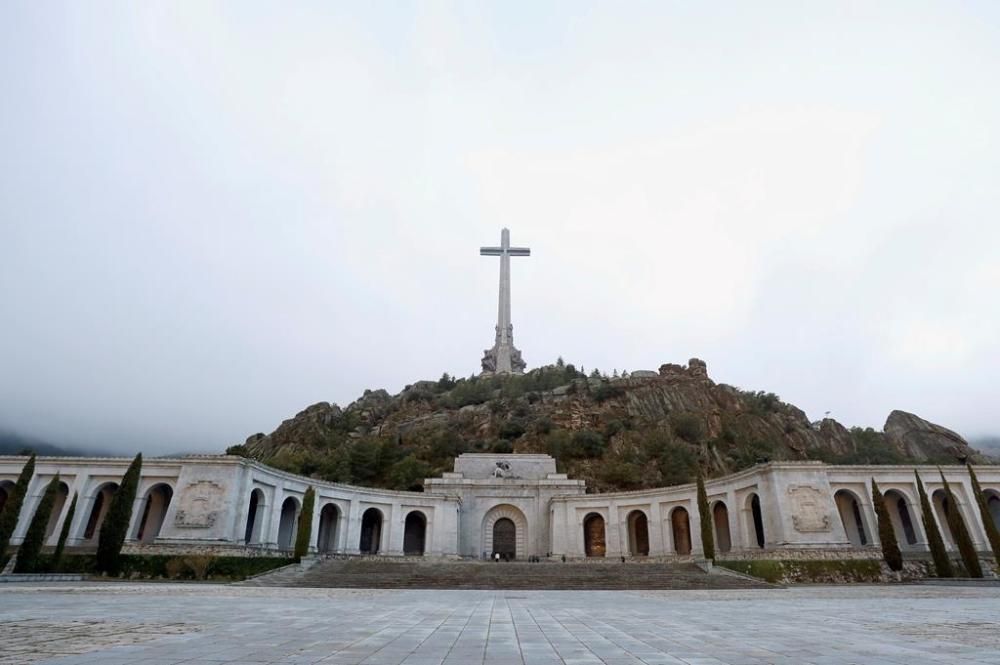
(114, 624)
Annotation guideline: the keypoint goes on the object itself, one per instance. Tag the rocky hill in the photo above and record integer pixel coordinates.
(642, 430)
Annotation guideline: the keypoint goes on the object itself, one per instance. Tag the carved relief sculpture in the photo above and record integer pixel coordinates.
(809, 513)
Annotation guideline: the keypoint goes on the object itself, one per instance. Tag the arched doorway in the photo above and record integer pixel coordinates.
(371, 531)
(99, 508)
(993, 503)
(638, 533)
(287, 524)
(942, 508)
(153, 512)
(680, 526)
(414, 534)
(254, 517)
(720, 520)
(505, 538)
(594, 540)
(6, 487)
(756, 521)
(326, 539)
(518, 527)
(849, 508)
(899, 514)
(62, 493)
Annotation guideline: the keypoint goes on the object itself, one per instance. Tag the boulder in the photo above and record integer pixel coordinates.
(918, 439)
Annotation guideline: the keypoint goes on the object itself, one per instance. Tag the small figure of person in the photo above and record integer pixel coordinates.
(496, 557)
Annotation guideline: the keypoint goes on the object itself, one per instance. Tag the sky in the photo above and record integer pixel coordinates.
(213, 214)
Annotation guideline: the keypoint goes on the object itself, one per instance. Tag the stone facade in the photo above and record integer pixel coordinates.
(231, 504)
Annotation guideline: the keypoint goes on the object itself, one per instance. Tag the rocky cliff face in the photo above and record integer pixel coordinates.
(645, 430)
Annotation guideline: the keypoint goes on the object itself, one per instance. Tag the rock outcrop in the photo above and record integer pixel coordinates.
(646, 429)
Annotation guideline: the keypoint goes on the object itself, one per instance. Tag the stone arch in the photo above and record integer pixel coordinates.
(595, 541)
(852, 517)
(414, 533)
(255, 516)
(901, 516)
(756, 521)
(720, 522)
(371, 531)
(517, 518)
(62, 493)
(287, 524)
(680, 528)
(99, 505)
(942, 508)
(6, 488)
(154, 510)
(638, 533)
(329, 519)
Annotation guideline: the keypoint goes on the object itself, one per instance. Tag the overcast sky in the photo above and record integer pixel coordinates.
(215, 214)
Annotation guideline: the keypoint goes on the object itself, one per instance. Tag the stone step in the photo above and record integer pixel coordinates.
(376, 574)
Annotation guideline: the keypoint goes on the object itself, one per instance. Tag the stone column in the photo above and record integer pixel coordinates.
(655, 526)
(353, 529)
(392, 530)
(614, 531)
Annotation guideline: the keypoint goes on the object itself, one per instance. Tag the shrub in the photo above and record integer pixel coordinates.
(970, 557)
(688, 427)
(115, 526)
(942, 564)
(174, 568)
(588, 444)
(992, 533)
(34, 538)
(63, 535)
(606, 391)
(304, 531)
(886, 535)
(199, 565)
(512, 429)
(705, 519)
(12, 508)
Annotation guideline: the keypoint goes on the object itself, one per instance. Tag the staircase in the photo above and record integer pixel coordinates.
(372, 573)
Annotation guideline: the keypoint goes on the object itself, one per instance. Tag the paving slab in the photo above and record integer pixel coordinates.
(169, 624)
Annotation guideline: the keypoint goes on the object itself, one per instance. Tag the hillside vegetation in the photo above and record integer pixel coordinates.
(618, 433)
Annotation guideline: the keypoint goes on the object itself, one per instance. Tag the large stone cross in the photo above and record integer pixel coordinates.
(503, 358)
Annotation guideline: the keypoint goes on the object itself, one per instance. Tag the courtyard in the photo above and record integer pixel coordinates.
(117, 623)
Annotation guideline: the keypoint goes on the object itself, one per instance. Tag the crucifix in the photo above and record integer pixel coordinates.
(503, 358)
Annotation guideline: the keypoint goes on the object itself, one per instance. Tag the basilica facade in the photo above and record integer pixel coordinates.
(517, 506)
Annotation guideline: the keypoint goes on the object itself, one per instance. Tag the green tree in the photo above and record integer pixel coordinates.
(942, 564)
(116, 521)
(34, 538)
(886, 535)
(992, 533)
(63, 535)
(304, 531)
(408, 474)
(970, 557)
(705, 518)
(12, 508)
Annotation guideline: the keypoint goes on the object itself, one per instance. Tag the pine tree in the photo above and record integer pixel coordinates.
(63, 536)
(942, 564)
(116, 521)
(886, 535)
(992, 533)
(304, 531)
(970, 557)
(705, 517)
(12, 508)
(31, 548)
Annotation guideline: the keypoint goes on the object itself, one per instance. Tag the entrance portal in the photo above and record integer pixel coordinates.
(594, 543)
(505, 538)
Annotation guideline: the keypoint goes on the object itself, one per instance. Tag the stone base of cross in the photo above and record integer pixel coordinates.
(503, 358)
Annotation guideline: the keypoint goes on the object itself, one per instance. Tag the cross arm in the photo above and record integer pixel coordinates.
(519, 251)
(491, 251)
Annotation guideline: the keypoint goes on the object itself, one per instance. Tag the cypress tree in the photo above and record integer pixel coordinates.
(12, 509)
(115, 526)
(992, 533)
(63, 535)
(970, 557)
(27, 554)
(886, 535)
(705, 517)
(942, 564)
(304, 532)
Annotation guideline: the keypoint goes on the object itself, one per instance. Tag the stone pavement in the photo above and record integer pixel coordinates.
(115, 624)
